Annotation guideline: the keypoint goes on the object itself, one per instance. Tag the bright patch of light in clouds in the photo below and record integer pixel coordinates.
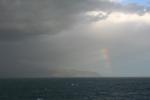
(118, 17)
(118, 21)
(115, 0)
(96, 13)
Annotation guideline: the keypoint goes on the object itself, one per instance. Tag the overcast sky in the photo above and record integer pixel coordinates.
(72, 38)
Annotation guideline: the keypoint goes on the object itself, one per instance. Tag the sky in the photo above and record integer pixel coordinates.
(139, 2)
(74, 38)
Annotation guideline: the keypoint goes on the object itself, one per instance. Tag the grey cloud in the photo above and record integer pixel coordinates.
(44, 52)
(135, 8)
(28, 18)
(24, 18)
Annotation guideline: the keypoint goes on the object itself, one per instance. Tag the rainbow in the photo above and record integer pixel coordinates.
(106, 56)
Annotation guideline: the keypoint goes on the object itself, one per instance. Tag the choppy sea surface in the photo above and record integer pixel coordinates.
(75, 89)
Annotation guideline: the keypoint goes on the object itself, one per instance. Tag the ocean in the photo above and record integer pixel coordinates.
(75, 89)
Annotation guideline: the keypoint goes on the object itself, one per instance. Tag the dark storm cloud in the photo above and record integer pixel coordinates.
(38, 38)
(24, 18)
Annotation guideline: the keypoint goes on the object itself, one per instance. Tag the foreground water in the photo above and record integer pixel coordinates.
(75, 89)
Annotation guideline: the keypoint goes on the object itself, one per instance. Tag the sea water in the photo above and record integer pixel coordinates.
(75, 89)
